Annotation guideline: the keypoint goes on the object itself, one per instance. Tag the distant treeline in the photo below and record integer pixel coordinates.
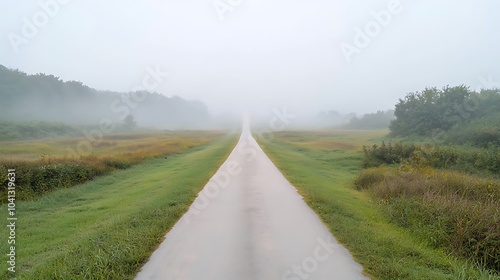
(378, 120)
(41, 97)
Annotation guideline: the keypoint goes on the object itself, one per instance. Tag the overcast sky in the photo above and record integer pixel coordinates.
(308, 55)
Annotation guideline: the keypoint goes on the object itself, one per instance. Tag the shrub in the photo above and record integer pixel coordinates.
(38, 177)
(483, 132)
(387, 154)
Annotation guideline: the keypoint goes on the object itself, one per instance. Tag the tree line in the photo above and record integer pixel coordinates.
(43, 97)
(452, 113)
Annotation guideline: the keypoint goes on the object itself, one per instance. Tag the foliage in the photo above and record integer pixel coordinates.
(471, 160)
(452, 209)
(129, 122)
(42, 97)
(445, 208)
(387, 154)
(434, 111)
(482, 132)
(378, 120)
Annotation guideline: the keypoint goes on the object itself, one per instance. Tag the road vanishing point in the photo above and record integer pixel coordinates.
(249, 223)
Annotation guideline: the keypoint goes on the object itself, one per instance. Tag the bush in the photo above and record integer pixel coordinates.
(387, 154)
(483, 132)
(35, 178)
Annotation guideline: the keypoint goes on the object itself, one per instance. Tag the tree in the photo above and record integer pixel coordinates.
(129, 122)
(378, 120)
(422, 113)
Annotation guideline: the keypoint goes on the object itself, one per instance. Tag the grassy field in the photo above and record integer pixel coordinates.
(323, 167)
(47, 164)
(108, 227)
(111, 145)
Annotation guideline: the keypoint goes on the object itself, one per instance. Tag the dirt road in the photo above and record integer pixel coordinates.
(249, 223)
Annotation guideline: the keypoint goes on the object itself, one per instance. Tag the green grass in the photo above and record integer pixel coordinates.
(324, 177)
(107, 228)
(445, 209)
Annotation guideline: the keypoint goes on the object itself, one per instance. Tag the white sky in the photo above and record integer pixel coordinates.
(266, 53)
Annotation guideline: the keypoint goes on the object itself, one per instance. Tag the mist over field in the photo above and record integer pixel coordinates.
(47, 98)
(256, 56)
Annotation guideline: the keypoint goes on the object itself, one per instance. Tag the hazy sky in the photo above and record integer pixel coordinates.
(345, 55)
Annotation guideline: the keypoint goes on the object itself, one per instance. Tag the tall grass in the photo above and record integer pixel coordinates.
(26, 130)
(36, 177)
(107, 228)
(386, 249)
(468, 159)
(447, 209)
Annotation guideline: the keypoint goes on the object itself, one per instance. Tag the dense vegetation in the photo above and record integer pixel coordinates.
(441, 180)
(472, 160)
(40, 173)
(41, 97)
(446, 209)
(403, 240)
(482, 132)
(378, 120)
(434, 112)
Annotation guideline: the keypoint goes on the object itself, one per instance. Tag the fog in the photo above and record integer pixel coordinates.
(258, 56)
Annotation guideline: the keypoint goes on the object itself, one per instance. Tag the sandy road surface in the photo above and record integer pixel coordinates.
(249, 223)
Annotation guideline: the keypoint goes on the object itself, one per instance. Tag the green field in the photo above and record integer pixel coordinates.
(323, 167)
(108, 227)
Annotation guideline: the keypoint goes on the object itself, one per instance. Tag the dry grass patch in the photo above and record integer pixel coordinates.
(44, 165)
